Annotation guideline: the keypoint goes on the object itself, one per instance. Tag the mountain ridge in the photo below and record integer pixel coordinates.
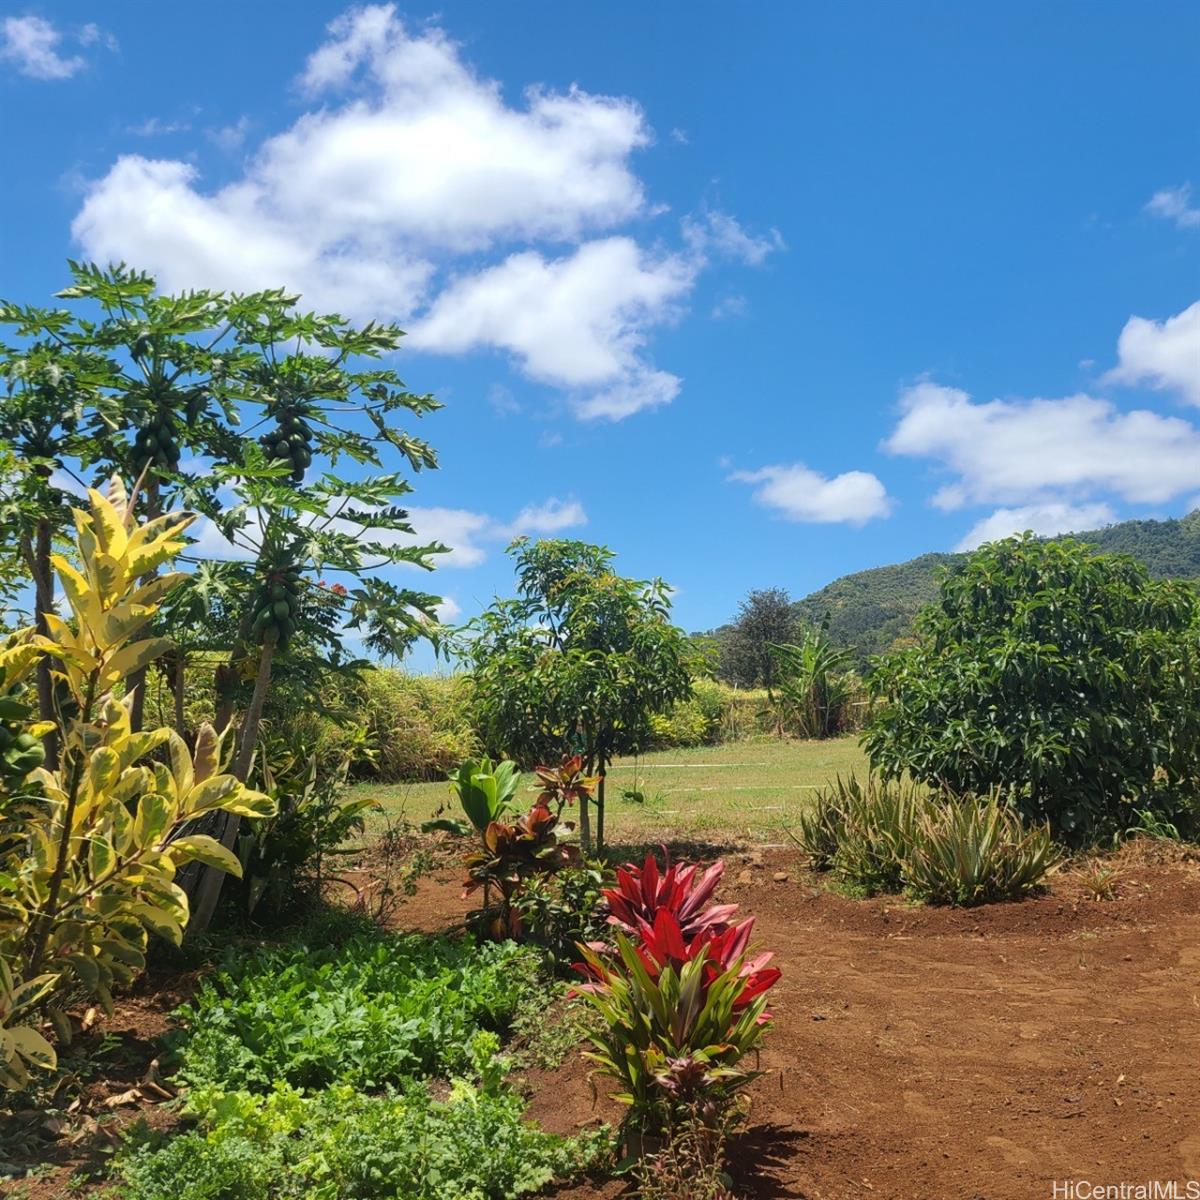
(868, 610)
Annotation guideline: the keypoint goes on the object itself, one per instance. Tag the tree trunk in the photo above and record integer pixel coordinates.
(137, 681)
(600, 807)
(178, 679)
(43, 603)
(208, 887)
(585, 825)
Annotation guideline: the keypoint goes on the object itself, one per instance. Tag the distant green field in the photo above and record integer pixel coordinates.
(741, 790)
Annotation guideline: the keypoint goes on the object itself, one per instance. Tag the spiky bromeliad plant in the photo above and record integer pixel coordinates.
(90, 844)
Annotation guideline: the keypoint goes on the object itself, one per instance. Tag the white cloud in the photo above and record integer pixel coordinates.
(800, 494)
(718, 233)
(1022, 451)
(1044, 519)
(426, 158)
(1175, 204)
(552, 517)
(157, 127)
(577, 322)
(229, 138)
(448, 610)
(410, 170)
(32, 44)
(1164, 354)
(471, 534)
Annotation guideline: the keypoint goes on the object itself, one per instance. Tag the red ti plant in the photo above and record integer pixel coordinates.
(642, 893)
(679, 1014)
(565, 783)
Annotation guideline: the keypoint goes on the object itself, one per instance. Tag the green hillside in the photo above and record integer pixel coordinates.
(869, 610)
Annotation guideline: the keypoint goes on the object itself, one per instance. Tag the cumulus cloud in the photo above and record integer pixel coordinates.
(1175, 204)
(413, 189)
(1021, 451)
(798, 493)
(469, 535)
(552, 517)
(578, 322)
(1043, 519)
(34, 47)
(1163, 354)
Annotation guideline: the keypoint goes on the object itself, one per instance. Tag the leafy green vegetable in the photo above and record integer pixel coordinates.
(371, 1011)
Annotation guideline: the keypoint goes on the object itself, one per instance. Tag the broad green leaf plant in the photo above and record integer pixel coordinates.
(89, 850)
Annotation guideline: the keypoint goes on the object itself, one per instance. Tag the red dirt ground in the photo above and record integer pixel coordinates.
(932, 1054)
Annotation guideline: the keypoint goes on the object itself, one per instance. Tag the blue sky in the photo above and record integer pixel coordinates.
(757, 294)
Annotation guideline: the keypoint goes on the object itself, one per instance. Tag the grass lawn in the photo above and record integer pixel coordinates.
(741, 790)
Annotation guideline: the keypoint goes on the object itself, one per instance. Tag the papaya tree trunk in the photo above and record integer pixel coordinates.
(137, 681)
(43, 603)
(208, 886)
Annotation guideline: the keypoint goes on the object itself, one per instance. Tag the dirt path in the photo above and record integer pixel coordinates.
(932, 1055)
(928, 1054)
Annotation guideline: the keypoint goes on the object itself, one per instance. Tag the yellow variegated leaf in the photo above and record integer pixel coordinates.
(32, 1047)
(84, 602)
(104, 768)
(118, 497)
(39, 729)
(181, 764)
(101, 856)
(151, 592)
(154, 813)
(109, 575)
(164, 781)
(250, 804)
(154, 553)
(121, 622)
(210, 794)
(116, 717)
(139, 745)
(159, 922)
(132, 658)
(108, 524)
(208, 851)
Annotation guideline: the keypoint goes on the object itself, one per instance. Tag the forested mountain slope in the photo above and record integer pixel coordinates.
(868, 610)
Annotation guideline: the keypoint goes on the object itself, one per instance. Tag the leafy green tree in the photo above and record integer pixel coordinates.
(580, 660)
(766, 618)
(1065, 677)
(248, 411)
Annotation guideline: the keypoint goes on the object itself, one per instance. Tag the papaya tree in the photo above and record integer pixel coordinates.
(579, 660)
(273, 424)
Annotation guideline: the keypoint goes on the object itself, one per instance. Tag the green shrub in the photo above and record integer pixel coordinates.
(888, 837)
(715, 713)
(343, 1145)
(285, 857)
(1066, 678)
(370, 1011)
(420, 726)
